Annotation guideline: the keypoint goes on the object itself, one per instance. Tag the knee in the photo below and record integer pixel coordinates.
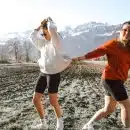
(108, 110)
(125, 108)
(54, 102)
(125, 105)
(36, 99)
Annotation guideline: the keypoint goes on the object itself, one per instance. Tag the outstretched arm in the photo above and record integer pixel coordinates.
(101, 51)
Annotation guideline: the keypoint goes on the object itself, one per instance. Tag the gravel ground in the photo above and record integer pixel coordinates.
(81, 95)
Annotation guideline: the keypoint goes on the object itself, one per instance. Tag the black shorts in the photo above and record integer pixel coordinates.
(115, 88)
(50, 81)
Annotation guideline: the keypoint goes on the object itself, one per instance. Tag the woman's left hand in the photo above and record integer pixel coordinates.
(75, 59)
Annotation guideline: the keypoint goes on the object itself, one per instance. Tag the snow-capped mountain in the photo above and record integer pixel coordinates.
(86, 37)
(79, 40)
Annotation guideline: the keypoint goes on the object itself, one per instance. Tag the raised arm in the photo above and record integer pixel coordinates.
(36, 40)
(53, 32)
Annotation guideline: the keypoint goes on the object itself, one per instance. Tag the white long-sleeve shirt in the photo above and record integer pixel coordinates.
(53, 59)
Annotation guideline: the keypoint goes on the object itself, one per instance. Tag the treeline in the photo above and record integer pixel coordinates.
(18, 50)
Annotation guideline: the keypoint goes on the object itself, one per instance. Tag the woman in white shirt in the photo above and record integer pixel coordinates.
(52, 62)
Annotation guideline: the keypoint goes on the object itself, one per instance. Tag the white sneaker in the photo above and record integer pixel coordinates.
(88, 127)
(60, 124)
(41, 126)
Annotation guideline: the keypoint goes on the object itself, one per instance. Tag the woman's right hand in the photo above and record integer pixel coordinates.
(49, 19)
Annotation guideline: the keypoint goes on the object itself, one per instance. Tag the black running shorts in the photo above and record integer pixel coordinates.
(115, 88)
(50, 81)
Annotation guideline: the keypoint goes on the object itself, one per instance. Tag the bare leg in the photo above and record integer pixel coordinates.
(37, 100)
(58, 112)
(37, 97)
(125, 112)
(110, 105)
(55, 104)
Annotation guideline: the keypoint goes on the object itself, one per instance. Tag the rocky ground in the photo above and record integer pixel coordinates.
(80, 92)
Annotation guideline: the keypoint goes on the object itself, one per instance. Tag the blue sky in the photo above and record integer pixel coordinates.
(21, 15)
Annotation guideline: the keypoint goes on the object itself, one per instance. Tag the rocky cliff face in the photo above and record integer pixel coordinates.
(80, 93)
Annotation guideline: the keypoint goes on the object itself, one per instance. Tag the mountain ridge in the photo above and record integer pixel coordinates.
(79, 40)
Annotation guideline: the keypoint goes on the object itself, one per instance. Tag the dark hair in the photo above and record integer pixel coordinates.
(127, 22)
(45, 26)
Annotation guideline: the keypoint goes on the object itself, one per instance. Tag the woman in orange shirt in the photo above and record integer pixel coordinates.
(114, 75)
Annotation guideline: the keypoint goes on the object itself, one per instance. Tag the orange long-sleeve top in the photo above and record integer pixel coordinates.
(118, 59)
